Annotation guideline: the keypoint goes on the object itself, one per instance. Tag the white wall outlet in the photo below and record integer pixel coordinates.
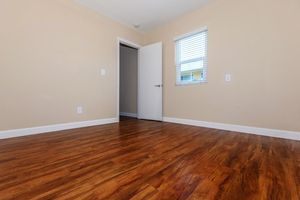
(102, 72)
(227, 77)
(79, 110)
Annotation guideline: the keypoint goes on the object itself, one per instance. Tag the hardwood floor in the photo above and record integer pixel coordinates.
(149, 160)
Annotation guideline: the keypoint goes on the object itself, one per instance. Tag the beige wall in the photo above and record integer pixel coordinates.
(258, 42)
(128, 80)
(51, 52)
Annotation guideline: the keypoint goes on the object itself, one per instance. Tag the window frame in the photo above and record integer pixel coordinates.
(178, 64)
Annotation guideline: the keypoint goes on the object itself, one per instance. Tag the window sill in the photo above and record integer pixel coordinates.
(190, 83)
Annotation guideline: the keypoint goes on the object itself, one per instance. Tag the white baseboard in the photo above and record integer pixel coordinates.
(292, 135)
(229, 127)
(53, 128)
(128, 114)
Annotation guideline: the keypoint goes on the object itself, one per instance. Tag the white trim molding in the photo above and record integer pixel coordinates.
(125, 114)
(292, 135)
(53, 128)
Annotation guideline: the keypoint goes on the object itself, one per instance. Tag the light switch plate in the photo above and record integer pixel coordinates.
(227, 77)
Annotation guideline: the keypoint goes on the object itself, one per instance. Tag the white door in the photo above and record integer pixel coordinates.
(150, 82)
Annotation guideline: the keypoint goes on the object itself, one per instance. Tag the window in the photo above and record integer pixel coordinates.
(191, 58)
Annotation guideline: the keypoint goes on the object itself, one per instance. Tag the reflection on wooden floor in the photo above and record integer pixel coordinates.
(149, 160)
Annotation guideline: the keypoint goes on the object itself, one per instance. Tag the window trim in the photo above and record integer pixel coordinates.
(179, 82)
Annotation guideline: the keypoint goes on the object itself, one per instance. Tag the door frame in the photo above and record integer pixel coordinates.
(134, 45)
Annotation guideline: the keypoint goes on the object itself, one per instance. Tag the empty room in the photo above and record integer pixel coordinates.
(158, 100)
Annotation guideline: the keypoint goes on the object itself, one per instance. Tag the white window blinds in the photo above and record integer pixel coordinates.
(191, 58)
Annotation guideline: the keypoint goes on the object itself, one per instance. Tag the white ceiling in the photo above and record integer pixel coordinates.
(148, 14)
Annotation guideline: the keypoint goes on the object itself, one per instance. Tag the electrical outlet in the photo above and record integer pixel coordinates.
(79, 110)
(102, 72)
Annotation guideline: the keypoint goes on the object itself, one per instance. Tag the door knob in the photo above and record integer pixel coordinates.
(157, 85)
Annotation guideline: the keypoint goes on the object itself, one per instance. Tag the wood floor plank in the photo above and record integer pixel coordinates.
(137, 159)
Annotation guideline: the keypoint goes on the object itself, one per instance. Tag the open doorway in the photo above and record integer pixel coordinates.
(128, 103)
(139, 91)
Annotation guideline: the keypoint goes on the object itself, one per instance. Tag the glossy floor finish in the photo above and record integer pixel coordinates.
(149, 160)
